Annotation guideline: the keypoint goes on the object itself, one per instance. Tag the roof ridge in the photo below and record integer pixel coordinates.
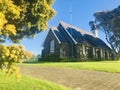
(53, 29)
(61, 22)
(77, 28)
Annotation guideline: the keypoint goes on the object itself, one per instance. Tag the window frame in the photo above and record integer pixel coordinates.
(52, 46)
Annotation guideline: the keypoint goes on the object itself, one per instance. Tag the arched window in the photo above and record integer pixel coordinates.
(52, 46)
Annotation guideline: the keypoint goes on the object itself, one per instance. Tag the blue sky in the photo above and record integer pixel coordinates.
(82, 13)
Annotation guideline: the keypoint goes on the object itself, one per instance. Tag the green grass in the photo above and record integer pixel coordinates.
(27, 83)
(107, 66)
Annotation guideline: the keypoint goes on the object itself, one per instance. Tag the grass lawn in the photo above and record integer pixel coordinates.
(27, 83)
(107, 66)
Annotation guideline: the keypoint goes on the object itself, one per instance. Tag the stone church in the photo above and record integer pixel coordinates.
(67, 41)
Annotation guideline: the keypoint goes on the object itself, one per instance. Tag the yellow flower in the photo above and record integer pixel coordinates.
(3, 57)
(10, 29)
(3, 20)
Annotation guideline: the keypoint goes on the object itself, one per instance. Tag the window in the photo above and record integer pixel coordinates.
(52, 46)
(83, 46)
(93, 51)
(62, 52)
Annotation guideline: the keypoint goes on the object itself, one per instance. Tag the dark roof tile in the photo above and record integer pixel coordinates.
(59, 35)
(81, 36)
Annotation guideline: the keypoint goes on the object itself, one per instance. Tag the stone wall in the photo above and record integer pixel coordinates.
(46, 45)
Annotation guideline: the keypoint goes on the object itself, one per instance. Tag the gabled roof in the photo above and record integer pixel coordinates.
(59, 36)
(66, 33)
(96, 42)
(80, 36)
(76, 33)
(83, 32)
(66, 29)
(53, 29)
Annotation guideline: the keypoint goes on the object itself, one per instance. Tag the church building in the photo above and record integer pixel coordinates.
(67, 41)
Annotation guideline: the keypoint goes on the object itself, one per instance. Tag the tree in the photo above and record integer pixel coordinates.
(109, 22)
(28, 55)
(24, 18)
(21, 19)
(11, 54)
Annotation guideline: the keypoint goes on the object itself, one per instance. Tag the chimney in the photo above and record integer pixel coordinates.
(94, 28)
(95, 32)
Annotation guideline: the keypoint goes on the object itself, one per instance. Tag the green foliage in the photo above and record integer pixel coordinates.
(32, 60)
(50, 58)
(20, 19)
(27, 83)
(28, 55)
(9, 55)
(24, 18)
(38, 57)
(56, 58)
(108, 21)
(69, 60)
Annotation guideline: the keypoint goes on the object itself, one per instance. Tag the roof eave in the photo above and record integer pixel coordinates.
(69, 34)
(55, 36)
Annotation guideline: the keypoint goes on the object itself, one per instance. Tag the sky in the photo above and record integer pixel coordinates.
(82, 13)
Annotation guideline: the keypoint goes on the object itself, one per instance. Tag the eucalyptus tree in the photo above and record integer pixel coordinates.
(109, 23)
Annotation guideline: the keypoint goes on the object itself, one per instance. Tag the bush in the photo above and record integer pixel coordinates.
(50, 58)
(9, 55)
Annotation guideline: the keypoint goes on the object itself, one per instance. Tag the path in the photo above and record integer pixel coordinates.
(75, 78)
